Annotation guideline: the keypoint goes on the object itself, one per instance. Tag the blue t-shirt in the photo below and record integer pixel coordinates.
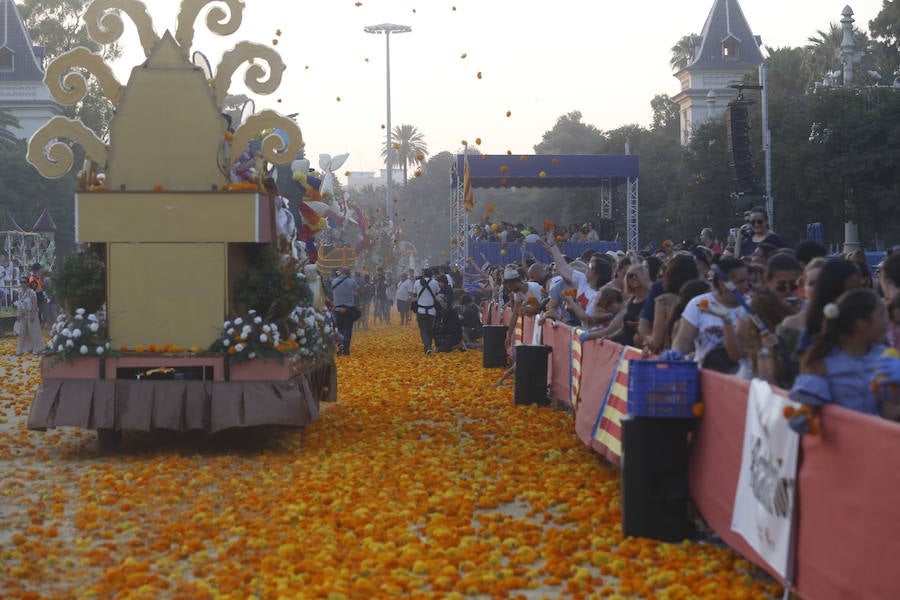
(649, 310)
(847, 382)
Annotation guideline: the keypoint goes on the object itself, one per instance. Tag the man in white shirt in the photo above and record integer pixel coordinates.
(402, 296)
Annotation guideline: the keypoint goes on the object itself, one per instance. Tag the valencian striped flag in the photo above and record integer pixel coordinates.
(468, 197)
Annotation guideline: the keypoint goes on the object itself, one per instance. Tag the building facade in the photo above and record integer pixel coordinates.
(22, 90)
(723, 54)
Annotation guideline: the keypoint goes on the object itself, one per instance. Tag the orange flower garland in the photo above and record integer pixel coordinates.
(500, 501)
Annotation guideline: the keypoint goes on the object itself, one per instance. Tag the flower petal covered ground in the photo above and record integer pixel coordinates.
(422, 481)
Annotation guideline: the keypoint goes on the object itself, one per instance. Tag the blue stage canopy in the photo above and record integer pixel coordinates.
(559, 170)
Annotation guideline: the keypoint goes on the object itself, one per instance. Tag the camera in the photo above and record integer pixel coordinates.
(746, 231)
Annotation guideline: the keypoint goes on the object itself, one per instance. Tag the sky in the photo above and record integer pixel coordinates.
(538, 61)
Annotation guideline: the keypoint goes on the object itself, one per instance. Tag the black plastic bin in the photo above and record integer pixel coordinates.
(494, 346)
(655, 496)
(531, 374)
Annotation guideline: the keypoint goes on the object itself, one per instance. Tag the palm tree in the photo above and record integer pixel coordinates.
(409, 149)
(8, 122)
(682, 52)
(825, 48)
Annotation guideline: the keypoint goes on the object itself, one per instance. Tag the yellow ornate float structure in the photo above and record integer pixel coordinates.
(175, 234)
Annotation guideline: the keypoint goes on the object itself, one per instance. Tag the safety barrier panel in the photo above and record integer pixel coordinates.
(848, 489)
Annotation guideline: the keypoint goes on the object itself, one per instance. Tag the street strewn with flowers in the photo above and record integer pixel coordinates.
(423, 480)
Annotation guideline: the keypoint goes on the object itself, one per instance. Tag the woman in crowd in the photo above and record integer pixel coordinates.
(688, 292)
(680, 269)
(637, 287)
(767, 359)
(793, 326)
(587, 285)
(839, 366)
(707, 326)
(747, 241)
(30, 337)
(837, 276)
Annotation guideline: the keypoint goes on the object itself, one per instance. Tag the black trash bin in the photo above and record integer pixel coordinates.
(494, 346)
(655, 496)
(531, 374)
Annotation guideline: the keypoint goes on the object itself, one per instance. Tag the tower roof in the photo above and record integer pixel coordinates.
(14, 38)
(726, 27)
(10, 225)
(44, 224)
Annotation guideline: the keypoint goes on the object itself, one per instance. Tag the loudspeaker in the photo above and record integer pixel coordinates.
(740, 156)
(607, 229)
(655, 495)
(494, 346)
(531, 374)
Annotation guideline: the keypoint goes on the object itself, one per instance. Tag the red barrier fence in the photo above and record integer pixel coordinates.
(848, 491)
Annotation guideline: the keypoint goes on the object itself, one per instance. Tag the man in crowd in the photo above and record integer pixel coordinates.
(425, 293)
(402, 295)
(343, 290)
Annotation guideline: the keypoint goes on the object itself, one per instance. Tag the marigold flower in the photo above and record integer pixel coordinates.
(420, 157)
(139, 348)
(704, 303)
(157, 188)
(555, 161)
(509, 113)
(479, 75)
(490, 208)
(548, 225)
(504, 169)
(478, 141)
(698, 409)
(542, 174)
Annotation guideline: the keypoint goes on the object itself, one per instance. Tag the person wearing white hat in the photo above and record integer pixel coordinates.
(527, 297)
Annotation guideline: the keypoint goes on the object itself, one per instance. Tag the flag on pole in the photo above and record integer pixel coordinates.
(468, 197)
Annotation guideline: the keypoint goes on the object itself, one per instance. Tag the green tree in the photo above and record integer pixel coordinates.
(885, 32)
(570, 136)
(56, 25)
(408, 145)
(8, 122)
(682, 52)
(665, 114)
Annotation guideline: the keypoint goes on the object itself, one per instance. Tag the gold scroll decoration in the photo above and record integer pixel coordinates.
(273, 147)
(105, 25)
(70, 87)
(255, 77)
(218, 21)
(52, 157)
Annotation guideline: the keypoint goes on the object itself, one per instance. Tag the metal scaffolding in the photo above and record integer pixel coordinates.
(459, 248)
(606, 199)
(633, 209)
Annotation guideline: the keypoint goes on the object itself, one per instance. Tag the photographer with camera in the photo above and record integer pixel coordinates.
(755, 232)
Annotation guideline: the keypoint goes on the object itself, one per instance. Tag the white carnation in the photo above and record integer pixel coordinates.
(238, 321)
(94, 327)
(83, 349)
(80, 311)
(76, 333)
(263, 338)
(99, 349)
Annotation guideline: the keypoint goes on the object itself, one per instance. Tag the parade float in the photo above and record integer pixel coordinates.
(207, 319)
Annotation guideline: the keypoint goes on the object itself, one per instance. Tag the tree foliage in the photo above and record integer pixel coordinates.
(408, 146)
(682, 52)
(57, 26)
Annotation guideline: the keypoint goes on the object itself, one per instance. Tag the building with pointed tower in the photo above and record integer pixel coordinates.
(725, 51)
(22, 90)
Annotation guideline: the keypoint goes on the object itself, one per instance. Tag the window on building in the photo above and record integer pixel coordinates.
(731, 49)
(6, 59)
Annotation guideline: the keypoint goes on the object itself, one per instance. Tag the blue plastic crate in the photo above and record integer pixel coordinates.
(661, 388)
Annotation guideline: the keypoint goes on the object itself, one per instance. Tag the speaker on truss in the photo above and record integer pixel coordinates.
(607, 229)
(740, 156)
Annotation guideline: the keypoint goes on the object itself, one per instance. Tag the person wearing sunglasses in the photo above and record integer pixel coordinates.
(759, 233)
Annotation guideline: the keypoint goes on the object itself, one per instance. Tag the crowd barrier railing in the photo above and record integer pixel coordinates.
(848, 489)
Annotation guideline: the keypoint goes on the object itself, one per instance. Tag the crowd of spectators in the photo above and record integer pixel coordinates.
(750, 306)
(814, 324)
(486, 231)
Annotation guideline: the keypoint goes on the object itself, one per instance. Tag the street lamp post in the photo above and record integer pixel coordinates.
(387, 29)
